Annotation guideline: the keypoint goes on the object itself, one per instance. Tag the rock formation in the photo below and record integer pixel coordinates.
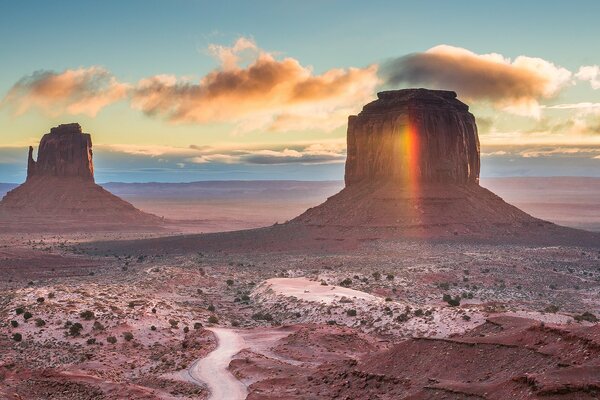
(413, 134)
(60, 192)
(64, 152)
(413, 169)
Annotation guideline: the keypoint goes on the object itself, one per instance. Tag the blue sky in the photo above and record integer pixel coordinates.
(137, 40)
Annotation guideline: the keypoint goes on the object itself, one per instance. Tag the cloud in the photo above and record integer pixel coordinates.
(236, 153)
(561, 151)
(516, 86)
(268, 93)
(73, 91)
(584, 107)
(590, 73)
(331, 153)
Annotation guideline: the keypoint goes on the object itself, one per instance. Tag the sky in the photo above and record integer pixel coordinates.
(179, 91)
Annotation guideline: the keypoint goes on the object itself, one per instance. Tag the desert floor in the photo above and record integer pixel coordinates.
(388, 319)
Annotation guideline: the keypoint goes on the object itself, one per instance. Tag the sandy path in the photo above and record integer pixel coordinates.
(213, 371)
(307, 290)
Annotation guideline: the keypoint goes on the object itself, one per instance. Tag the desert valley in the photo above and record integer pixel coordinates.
(299, 200)
(425, 286)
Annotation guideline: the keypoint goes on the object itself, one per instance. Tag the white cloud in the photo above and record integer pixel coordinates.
(590, 73)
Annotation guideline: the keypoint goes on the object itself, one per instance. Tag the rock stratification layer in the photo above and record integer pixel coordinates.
(413, 135)
(60, 192)
(64, 152)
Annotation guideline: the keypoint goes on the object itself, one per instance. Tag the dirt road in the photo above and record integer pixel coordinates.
(213, 371)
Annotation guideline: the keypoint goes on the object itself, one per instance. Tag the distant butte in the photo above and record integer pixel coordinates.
(60, 192)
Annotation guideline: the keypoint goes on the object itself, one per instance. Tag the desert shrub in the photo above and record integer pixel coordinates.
(27, 315)
(173, 323)
(466, 317)
(111, 339)
(127, 336)
(51, 295)
(331, 322)
(75, 329)
(418, 312)
(376, 275)
(98, 326)
(211, 308)
(245, 297)
(87, 315)
(229, 282)
(552, 308)
(186, 329)
(14, 323)
(91, 341)
(40, 300)
(351, 312)
(388, 299)
(455, 302)
(402, 317)
(153, 310)
(17, 337)
(390, 277)
(259, 316)
(235, 323)
(197, 325)
(19, 310)
(152, 328)
(39, 322)
(586, 316)
(346, 282)
(323, 283)
(444, 285)
(213, 319)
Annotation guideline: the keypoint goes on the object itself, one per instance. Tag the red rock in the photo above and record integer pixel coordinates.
(64, 152)
(60, 192)
(413, 135)
(413, 170)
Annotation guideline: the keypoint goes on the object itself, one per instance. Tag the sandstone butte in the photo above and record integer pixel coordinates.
(60, 191)
(413, 168)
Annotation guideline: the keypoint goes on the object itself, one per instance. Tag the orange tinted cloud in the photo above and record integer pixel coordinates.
(262, 95)
(513, 85)
(73, 91)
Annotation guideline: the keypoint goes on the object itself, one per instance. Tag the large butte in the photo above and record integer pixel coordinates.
(60, 192)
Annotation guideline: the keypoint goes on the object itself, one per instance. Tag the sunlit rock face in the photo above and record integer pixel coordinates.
(413, 135)
(64, 152)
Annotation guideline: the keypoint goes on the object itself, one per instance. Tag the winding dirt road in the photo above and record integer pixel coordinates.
(213, 371)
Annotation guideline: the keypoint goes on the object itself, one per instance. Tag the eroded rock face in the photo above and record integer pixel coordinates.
(64, 152)
(417, 135)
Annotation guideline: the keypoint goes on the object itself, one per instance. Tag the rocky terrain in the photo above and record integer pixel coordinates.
(419, 285)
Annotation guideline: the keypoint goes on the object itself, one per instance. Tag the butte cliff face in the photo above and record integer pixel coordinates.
(60, 192)
(413, 135)
(413, 170)
(65, 152)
